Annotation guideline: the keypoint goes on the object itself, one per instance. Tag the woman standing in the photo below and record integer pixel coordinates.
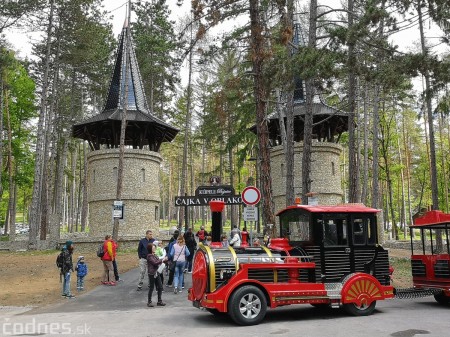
(178, 254)
(153, 263)
(191, 244)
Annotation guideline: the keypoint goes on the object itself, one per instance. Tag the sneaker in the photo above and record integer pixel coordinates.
(185, 271)
(160, 304)
(70, 296)
(182, 287)
(190, 272)
(150, 305)
(82, 289)
(119, 280)
(63, 295)
(112, 283)
(175, 290)
(169, 285)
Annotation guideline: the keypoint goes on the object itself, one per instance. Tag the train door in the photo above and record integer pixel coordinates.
(335, 249)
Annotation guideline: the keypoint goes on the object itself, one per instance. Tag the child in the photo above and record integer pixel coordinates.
(225, 241)
(82, 271)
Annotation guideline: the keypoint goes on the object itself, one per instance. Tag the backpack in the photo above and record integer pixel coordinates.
(60, 260)
(100, 251)
(201, 235)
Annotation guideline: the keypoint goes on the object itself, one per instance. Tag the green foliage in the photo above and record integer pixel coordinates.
(156, 50)
(19, 91)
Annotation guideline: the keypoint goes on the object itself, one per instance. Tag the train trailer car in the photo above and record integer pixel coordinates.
(430, 256)
(326, 256)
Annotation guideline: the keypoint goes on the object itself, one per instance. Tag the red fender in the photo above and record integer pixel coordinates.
(360, 288)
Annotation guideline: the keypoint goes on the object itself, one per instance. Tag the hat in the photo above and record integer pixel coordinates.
(80, 258)
(155, 242)
(69, 243)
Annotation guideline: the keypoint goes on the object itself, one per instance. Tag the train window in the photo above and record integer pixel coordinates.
(364, 231)
(334, 232)
(359, 236)
(295, 226)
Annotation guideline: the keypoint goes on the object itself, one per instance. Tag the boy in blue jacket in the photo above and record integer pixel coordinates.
(82, 271)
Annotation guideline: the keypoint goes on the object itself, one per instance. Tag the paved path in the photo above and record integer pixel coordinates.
(122, 311)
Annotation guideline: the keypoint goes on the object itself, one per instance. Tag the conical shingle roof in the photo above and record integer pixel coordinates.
(143, 129)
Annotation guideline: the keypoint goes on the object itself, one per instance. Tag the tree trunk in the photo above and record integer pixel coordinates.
(187, 125)
(11, 211)
(433, 169)
(2, 93)
(123, 123)
(84, 208)
(352, 153)
(36, 197)
(261, 93)
(365, 179)
(310, 90)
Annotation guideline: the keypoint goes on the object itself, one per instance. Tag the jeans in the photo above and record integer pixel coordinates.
(66, 284)
(178, 279)
(80, 282)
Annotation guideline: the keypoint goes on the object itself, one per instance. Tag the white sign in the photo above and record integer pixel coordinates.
(250, 214)
(251, 195)
(118, 209)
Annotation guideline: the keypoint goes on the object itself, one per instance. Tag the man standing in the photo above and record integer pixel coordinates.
(67, 268)
(142, 253)
(202, 234)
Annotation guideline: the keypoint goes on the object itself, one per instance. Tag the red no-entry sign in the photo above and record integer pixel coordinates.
(251, 195)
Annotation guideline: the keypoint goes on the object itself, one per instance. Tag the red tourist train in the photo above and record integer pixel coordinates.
(326, 256)
(430, 256)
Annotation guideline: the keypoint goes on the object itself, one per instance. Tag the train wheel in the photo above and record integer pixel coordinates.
(442, 299)
(247, 306)
(360, 310)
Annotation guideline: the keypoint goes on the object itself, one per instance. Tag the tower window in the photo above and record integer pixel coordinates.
(115, 173)
(283, 172)
(143, 175)
(333, 170)
(156, 212)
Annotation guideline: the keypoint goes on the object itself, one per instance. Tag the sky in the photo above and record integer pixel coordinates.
(21, 41)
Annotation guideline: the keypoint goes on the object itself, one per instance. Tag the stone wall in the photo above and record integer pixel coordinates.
(325, 173)
(140, 194)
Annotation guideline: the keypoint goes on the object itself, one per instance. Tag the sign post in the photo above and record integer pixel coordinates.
(251, 196)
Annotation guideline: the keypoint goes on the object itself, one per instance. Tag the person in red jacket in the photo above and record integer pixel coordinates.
(109, 248)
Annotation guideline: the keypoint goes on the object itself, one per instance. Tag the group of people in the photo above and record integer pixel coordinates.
(175, 259)
(65, 264)
(154, 261)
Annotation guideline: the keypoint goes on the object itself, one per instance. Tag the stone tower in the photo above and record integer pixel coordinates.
(329, 124)
(143, 137)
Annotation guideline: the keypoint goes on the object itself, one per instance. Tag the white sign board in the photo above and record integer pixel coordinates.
(118, 209)
(250, 214)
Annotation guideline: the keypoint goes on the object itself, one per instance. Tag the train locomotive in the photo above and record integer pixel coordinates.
(326, 256)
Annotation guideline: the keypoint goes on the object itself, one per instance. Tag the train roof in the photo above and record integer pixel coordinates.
(344, 208)
(431, 218)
